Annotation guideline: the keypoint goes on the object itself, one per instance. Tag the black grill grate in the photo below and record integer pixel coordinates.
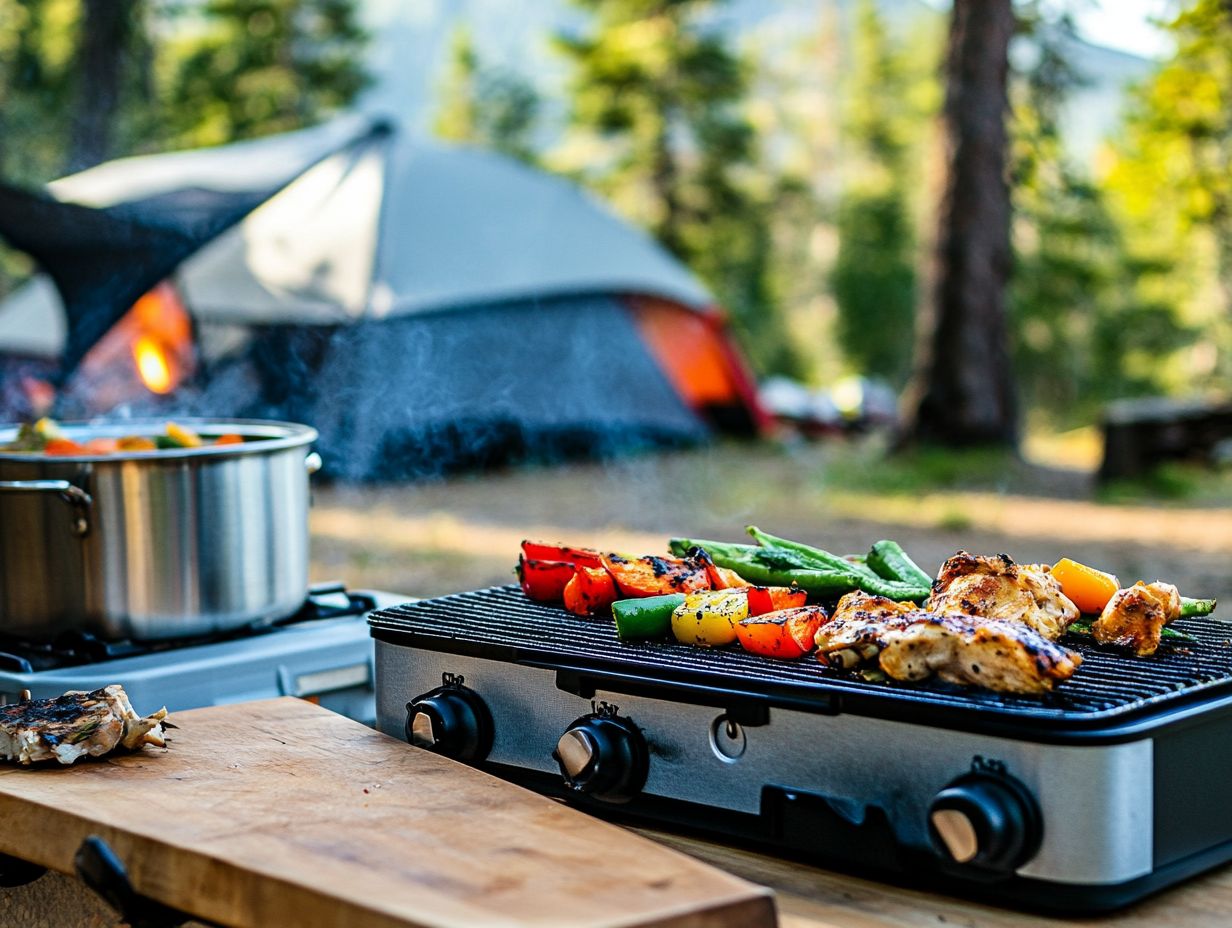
(1109, 686)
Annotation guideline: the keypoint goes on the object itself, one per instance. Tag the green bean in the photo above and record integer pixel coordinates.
(1196, 607)
(821, 560)
(782, 567)
(1084, 628)
(891, 561)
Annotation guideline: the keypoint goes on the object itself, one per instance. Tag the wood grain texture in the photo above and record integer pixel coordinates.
(809, 897)
(282, 813)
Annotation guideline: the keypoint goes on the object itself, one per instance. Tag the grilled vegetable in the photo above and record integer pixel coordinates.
(708, 618)
(1196, 607)
(785, 634)
(810, 556)
(650, 617)
(544, 581)
(1084, 628)
(1087, 588)
(539, 551)
(783, 567)
(889, 560)
(590, 591)
(654, 576)
(763, 599)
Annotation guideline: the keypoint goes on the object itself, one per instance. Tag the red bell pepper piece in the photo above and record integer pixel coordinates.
(655, 576)
(591, 590)
(785, 634)
(763, 599)
(544, 581)
(540, 551)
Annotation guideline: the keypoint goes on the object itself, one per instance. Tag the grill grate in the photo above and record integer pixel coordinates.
(502, 623)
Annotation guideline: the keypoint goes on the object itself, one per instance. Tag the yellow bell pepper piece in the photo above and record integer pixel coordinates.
(182, 436)
(708, 617)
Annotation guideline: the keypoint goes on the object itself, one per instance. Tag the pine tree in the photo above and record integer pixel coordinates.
(487, 106)
(965, 392)
(657, 127)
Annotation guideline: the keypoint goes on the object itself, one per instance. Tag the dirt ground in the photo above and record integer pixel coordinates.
(433, 538)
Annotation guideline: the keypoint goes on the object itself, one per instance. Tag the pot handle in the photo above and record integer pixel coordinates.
(312, 463)
(75, 496)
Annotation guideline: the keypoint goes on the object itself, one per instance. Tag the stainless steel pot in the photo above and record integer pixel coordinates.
(155, 544)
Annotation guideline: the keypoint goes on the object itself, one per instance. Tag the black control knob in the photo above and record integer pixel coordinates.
(986, 820)
(604, 756)
(451, 720)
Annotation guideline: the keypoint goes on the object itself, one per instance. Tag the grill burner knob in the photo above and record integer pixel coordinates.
(451, 720)
(603, 756)
(989, 821)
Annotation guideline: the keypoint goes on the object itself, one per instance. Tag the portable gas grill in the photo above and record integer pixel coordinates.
(1086, 799)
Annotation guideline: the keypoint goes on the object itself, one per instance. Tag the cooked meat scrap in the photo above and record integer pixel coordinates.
(1008, 657)
(1135, 617)
(997, 588)
(76, 725)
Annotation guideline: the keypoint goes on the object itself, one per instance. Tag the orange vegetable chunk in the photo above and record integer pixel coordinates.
(1087, 588)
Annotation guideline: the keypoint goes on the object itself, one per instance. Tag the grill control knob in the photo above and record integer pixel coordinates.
(451, 720)
(986, 820)
(603, 756)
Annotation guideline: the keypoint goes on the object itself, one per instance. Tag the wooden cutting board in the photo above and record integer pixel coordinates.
(282, 813)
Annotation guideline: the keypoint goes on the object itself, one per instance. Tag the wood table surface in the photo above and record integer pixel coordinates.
(810, 897)
(281, 814)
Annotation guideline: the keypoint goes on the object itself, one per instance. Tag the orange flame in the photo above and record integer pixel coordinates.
(152, 365)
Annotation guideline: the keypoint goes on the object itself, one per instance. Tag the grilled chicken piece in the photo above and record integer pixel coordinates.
(75, 725)
(997, 588)
(1135, 617)
(911, 644)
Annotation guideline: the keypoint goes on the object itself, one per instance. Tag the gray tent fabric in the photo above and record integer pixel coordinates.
(428, 393)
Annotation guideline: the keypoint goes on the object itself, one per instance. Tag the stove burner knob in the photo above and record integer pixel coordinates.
(986, 821)
(451, 720)
(603, 756)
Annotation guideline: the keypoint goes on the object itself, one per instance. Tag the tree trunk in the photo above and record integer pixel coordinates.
(106, 27)
(964, 391)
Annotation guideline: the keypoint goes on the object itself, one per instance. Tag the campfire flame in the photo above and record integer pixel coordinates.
(152, 365)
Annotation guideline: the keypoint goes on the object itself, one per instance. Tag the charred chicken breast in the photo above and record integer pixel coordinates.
(996, 654)
(76, 725)
(997, 588)
(1135, 617)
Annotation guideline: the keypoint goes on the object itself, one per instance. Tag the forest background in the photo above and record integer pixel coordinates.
(798, 174)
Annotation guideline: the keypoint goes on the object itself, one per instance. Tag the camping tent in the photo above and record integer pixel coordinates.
(425, 306)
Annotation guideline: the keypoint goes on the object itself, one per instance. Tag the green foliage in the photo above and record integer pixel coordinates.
(257, 67)
(657, 125)
(491, 107)
(1172, 178)
(1086, 327)
(873, 278)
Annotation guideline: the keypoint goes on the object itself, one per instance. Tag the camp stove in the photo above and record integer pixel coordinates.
(1091, 797)
(323, 652)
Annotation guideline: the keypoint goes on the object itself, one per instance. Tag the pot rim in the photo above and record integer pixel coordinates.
(275, 435)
